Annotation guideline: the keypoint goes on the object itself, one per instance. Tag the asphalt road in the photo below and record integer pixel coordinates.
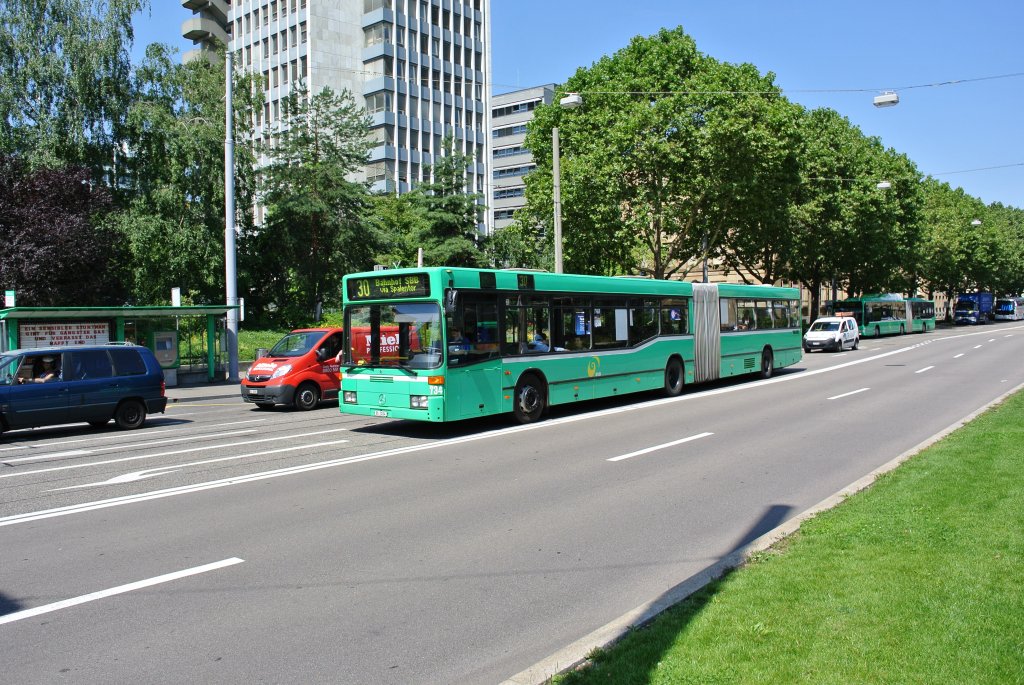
(225, 543)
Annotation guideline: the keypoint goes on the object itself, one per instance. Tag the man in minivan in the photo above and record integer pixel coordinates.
(47, 373)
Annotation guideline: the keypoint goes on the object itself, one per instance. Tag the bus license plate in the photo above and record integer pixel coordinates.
(380, 412)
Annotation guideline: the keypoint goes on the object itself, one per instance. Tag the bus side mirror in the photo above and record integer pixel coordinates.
(451, 300)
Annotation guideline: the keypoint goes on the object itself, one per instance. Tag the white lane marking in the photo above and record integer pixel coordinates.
(52, 455)
(924, 369)
(847, 394)
(149, 432)
(841, 354)
(132, 446)
(977, 346)
(660, 447)
(119, 590)
(991, 339)
(165, 454)
(165, 470)
(957, 356)
(51, 443)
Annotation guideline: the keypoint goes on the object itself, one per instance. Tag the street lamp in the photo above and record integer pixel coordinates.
(570, 101)
(883, 185)
(976, 222)
(887, 99)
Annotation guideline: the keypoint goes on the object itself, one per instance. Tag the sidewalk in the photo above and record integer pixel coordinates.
(216, 390)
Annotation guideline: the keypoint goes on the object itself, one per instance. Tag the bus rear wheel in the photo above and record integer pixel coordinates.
(878, 333)
(673, 378)
(767, 363)
(529, 401)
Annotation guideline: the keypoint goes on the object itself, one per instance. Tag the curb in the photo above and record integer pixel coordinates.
(577, 653)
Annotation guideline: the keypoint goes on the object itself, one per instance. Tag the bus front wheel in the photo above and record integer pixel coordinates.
(674, 378)
(878, 333)
(529, 401)
(767, 363)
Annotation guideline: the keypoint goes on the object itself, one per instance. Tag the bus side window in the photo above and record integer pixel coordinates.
(511, 337)
(764, 314)
(729, 317)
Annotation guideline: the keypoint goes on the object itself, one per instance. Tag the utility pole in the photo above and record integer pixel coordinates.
(230, 269)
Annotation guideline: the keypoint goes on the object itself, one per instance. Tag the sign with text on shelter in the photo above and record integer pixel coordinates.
(34, 335)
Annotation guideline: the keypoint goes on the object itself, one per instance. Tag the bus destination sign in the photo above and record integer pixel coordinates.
(389, 287)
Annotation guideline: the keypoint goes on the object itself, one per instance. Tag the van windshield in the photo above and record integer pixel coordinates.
(825, 326)
(296, 344)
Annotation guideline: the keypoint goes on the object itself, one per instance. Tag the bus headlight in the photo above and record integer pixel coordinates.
(418, 401)
(350, 396)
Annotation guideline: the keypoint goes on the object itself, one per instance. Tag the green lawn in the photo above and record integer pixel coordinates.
(918, 579)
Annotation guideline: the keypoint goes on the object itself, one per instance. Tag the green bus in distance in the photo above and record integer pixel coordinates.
(887, 314)
(445, 344)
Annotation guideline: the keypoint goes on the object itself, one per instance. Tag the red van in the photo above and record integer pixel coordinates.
(300, 370)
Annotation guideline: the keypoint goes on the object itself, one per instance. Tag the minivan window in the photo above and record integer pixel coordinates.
(86, 364)
(127, 362)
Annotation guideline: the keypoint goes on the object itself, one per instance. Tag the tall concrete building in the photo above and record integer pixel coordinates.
(510, 160)
(422, 69)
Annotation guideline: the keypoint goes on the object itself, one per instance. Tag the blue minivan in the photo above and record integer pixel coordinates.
(91, 383)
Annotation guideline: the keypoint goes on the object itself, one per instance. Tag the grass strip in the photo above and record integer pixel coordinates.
(917, 579)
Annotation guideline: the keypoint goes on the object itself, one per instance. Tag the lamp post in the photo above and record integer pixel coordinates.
(570, 101)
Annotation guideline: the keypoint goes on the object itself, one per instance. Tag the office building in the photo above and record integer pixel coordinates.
(510, 160)
(421, 68)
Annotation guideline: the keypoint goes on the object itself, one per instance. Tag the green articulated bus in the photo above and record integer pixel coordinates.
(887, 314)
(444, 344)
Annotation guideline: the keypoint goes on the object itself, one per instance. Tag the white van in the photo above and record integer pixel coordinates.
(834, 333)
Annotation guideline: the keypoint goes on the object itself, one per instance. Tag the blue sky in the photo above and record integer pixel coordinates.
(817, 49)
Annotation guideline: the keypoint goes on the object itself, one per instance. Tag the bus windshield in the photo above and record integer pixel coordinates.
(405, 335)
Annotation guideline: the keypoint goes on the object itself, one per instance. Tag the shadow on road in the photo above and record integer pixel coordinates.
(8, 605)
(467, 427)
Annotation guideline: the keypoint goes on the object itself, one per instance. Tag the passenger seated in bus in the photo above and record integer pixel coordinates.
(540, 343)
(457, 342)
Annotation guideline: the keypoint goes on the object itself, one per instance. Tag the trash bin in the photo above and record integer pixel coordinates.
(261, 352)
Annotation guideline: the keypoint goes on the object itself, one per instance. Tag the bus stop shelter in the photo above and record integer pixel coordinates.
(159, 328)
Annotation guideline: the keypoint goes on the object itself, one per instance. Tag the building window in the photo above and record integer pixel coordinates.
(509, 151)
(377, 34)
(378, 102)
(513, 171)
(514, 109)
(371, 5)
(504, 214)
(302, 30)
(506, 193)
(509, 131)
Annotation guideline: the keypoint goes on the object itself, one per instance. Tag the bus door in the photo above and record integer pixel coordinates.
(473, 380)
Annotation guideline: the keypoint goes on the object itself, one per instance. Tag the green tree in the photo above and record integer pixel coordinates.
(949, 241)
(316, 228)
(399, 221)
(517, 246)
(673, 153)
(847, 231)
(65, 84)
(172, 176)
(452, 214)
